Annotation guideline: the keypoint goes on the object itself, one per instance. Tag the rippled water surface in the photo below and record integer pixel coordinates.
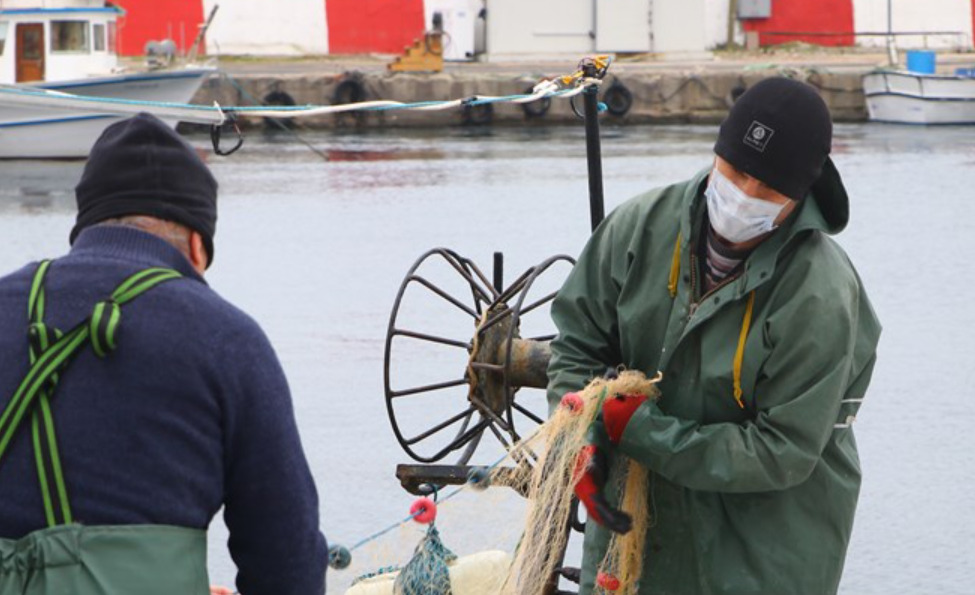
(316, 250)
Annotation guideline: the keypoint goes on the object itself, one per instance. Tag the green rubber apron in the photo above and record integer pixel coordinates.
(68, 558)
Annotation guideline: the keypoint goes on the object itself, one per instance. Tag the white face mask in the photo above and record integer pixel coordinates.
(736, 216)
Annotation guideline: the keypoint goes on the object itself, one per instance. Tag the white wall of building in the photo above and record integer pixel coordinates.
(539, 26)
(281, 27)
(529, 28)
(581, 26)
(716, 25)
(679, 27)
(460, 22)
(915, 15)
(623, 26)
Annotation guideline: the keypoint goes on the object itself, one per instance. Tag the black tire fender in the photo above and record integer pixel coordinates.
(618, 99)
(481, 114)
(279, 98)
(537, 108)
(350, 90)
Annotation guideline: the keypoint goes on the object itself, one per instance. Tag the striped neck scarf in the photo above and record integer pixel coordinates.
(721, 261)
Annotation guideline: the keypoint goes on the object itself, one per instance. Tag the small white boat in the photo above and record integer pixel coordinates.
(70, 46)
(913, 98)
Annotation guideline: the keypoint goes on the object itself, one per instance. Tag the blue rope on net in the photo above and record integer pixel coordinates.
(340, 556)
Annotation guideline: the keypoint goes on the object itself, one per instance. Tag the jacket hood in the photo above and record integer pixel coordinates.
(830, 195)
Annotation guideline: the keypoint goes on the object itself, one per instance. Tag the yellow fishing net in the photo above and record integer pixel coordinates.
(554, 473)
(546, 470)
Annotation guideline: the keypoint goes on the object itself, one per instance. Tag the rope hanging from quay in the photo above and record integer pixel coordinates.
(565, 87)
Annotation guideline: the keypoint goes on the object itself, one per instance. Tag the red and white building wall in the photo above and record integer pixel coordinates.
(281, 27)
(298, 27)
(945, 23)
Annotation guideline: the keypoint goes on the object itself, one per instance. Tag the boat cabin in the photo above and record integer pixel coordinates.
(57, 40)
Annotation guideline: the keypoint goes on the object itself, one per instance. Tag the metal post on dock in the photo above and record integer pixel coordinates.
(593, 149)
(891, 49)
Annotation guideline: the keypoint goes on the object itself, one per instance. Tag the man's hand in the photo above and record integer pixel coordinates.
(221, 591)
(591, 469)
(616, 413)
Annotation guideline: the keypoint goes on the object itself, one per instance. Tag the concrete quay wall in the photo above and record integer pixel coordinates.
(657, 97)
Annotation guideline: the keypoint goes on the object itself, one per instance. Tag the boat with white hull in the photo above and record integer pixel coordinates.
(70, 46)
(913, 98)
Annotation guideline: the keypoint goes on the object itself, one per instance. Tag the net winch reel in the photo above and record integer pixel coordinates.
(502, 366)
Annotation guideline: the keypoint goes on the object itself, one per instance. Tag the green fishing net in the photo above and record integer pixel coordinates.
(426, 573)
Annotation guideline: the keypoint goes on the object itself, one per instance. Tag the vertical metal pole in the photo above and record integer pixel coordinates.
(891, 52)
(732, 13)
(499, 272)
(597, 214)
(890, 20)
(593, 149)
(199, 35)
(594, 33)
(552, 586)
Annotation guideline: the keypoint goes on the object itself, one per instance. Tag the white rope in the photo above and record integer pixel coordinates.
(223, 117)
(849, 422)
(217, 114)
(849, 418)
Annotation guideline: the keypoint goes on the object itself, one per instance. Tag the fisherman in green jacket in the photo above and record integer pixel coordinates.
(729, 285)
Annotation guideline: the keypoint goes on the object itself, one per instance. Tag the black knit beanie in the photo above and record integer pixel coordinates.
(141, 166)
(779, 131)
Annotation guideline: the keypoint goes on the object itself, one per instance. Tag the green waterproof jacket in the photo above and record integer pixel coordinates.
(754, 467)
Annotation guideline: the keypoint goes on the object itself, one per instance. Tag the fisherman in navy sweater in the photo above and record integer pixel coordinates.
(190, 413)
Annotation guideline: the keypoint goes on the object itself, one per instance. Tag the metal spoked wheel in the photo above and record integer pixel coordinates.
(499, 361)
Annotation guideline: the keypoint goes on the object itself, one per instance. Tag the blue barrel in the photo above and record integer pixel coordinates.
(920, 61)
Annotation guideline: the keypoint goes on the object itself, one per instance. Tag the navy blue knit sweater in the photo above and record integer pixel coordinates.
(191, 412)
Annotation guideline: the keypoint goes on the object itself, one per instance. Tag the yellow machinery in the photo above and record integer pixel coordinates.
(426, 53)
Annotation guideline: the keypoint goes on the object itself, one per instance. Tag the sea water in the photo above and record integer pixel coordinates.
(315, 249)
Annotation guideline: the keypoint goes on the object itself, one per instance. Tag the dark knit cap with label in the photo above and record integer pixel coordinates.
(141, 166)
(780, 132)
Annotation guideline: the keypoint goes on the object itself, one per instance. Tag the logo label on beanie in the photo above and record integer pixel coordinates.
(758, 136)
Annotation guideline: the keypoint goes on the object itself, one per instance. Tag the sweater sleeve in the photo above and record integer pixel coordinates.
(271, 505)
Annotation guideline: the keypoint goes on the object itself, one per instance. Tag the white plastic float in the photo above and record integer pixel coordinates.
(478, 574)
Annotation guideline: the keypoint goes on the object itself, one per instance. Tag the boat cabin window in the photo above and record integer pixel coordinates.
(69, 36)
(112, 36)
(3, 35)
(98, 37)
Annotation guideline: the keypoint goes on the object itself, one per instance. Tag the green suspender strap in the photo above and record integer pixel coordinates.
(50, 352)
(56, 510)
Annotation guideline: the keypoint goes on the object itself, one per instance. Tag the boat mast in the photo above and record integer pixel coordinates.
(891, 50)
(199, 35)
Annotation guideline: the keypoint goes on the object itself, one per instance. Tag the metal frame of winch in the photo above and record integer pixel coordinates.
(501, 362)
